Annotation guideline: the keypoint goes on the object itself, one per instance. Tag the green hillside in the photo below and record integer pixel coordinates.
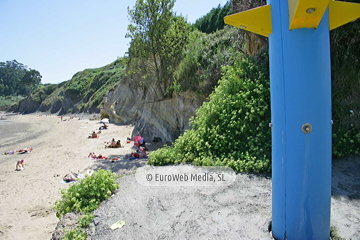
(85, 91)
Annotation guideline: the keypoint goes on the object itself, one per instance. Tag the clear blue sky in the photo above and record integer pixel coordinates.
(61, 37)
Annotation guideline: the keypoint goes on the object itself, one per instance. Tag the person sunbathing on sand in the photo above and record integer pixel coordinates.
(96, 156)
(10, 152)
(118, 144)
(104, 126)
(24, 150)
(93, 135)
(20, 165)
(141, 153)
(70, 177)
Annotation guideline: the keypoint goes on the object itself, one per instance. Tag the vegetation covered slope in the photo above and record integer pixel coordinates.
(16, 81)
(223, 132)
(84, 92)
(232, 128)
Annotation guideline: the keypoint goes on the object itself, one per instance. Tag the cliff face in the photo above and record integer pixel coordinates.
(27, 105)
(165, 119)
(59, 104)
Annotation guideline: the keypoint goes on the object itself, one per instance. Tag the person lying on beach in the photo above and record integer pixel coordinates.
(96, 156)
(93, 135)
(21, 151)
(70, 177)
(10, 152)
(24, 150)
(104, 126)
(141, 153)
(20, 165)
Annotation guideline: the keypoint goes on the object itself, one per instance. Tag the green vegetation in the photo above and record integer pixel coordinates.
(86, 89)
(86, 195)
(7, 101)
(17, 79)
(247, 145)
(231, 129)
(75, 235)
(204, 56)
(214, 20)
(43, 92)
(85, 220)
(158, 37)
(345, 57)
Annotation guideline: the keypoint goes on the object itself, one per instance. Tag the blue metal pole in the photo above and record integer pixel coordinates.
(301, 127)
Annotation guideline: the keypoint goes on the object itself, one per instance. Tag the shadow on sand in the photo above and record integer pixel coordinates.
(346, 177)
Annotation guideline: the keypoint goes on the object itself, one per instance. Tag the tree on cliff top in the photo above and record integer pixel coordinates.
(157, 39)
(16, 78)
(31, 79)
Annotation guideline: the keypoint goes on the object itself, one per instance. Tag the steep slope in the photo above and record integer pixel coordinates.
(83, 93)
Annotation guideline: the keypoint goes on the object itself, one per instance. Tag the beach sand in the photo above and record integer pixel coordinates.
(28, 196)
(239, 211)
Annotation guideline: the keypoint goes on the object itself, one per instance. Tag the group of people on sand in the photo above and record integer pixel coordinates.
(114, 144)
(139, 142)
(20, 164)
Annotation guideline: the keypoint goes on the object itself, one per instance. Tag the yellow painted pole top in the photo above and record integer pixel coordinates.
(306, 13)
(302, 14)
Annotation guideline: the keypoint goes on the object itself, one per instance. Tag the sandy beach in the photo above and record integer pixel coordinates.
(238, 211)
(27, 197)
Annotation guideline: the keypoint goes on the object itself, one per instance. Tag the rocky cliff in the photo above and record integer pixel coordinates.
(130, 103)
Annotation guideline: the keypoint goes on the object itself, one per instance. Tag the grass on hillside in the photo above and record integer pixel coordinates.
(7, 101)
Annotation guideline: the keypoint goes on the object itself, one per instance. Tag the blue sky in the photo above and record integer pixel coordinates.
(61, 37)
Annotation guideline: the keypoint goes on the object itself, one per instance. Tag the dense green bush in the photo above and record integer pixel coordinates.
(345, 64)
(204, 56)
(87, 194)
(232, 128)
(345, 141)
